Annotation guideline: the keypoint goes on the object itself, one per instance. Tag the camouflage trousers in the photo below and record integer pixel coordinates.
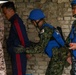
(73, 70)
(57, 62)
(55, 68)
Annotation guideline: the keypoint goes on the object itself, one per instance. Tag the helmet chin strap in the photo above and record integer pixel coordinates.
(37, 23)
(74, 15)
(37, 26)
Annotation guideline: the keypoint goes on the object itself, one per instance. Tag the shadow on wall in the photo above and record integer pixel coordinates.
(6, 55)
(7, 62)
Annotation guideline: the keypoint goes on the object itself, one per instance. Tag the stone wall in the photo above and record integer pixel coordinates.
(58, 13)
(2, 60)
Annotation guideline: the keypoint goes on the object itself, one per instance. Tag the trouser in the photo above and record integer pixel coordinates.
(58, 61)
(73, 69)
(19, 62)
(55, 68)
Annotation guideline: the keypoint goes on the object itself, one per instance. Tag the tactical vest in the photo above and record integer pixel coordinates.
(57, 41)
(72, 36)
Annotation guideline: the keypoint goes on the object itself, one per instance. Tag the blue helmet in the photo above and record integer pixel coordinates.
(73, 2)
(36, 14)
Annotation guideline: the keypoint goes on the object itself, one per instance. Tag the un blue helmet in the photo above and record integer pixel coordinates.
(73, 2)
(36, 14)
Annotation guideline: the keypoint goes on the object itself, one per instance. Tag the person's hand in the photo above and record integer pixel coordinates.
(69, 60)
(28, 56)
(72, 46)
(19, 49)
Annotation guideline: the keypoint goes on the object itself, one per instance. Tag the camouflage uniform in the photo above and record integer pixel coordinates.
(72, 38)
(58, 60)
(2, 58)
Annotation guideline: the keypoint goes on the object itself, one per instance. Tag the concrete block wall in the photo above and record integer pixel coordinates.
(2, 60)
(58, 13)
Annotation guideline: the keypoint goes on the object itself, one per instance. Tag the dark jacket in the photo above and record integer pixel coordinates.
(17, 35)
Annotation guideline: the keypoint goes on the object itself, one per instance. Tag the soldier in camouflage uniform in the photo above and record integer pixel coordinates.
(57, 52)
(72, 40)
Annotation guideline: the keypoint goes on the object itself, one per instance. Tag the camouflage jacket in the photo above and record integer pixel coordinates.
(45, 35)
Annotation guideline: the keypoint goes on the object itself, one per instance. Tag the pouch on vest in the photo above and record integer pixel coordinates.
(51, 44)
(58, 38)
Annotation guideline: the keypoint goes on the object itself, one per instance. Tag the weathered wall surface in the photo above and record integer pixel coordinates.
(58, 13)
(2, 60)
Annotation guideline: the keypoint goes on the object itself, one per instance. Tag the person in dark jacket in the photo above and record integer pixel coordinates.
(17, 36)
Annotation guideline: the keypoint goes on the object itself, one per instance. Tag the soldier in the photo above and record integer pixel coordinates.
(72, 38)
(49, 38)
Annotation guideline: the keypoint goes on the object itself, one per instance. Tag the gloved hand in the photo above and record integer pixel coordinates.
(19, 49)
(27, 50)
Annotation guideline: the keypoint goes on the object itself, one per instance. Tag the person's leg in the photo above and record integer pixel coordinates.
(19, 64)
(73, 70)
(14, 65)
(23, 63)
(56, 64)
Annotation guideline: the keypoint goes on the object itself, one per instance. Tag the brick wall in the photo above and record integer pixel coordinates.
(2, 60)
(58, 13)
